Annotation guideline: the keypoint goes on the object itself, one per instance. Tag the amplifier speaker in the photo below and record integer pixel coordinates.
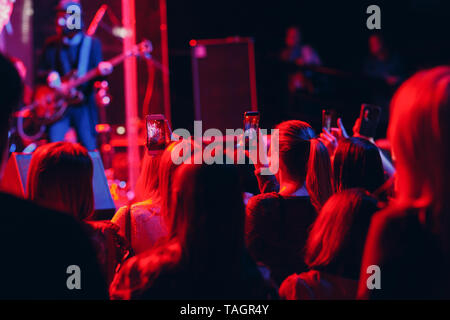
(224, 81)
(15, 182)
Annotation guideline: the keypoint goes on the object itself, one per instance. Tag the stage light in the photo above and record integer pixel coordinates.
(120, 130)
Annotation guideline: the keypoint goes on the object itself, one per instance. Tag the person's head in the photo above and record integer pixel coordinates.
(419, 131)
(357, 164)
(207, 215)
(147, 185)
(377, 45)
(60, 178)
(304, 159)
(337, 237)
(11, 90)
(293, 36)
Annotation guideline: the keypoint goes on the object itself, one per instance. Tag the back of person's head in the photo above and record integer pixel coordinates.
(207, 216)
(60, 177)
(419, 131)
(11, 90)
(304, 159)
(357, 164)
(147, 185)
(337, 237)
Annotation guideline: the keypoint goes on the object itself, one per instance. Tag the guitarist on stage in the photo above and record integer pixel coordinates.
(72, 50)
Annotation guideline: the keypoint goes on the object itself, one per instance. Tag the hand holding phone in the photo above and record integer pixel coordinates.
(369, 118)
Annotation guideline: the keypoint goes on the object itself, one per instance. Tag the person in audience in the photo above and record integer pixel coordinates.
(357, 164)
(60, 177)
(277, 222)
(334, 249)
(407, 252)
(204, 255)
(39, 246)
(142, 223)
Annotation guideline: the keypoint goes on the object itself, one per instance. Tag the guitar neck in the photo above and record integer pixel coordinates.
(94, 73)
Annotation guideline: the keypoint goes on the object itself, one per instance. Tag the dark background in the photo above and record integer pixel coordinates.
(416, 29)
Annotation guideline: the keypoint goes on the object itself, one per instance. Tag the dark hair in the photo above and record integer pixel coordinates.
(357, 164)
(11, 90)
(207, 216)
(337, 237)
(305, 159)
(60, 177)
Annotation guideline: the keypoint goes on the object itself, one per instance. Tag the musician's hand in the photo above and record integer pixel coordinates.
(64, 89)
(105, 68)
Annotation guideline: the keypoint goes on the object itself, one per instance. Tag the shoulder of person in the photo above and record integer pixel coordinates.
(15, 208)
(396, 215)
(264, 197)
(397, 225)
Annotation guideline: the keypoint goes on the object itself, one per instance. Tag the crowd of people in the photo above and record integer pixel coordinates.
(337, 207)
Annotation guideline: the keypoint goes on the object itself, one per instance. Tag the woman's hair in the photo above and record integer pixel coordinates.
(357, 164)
(147, 185)
(305, 159)
(60, 177)
(207, 215)
(419, 130)
(337, 237)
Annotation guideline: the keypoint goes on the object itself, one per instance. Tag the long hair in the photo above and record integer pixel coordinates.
(147, 185)
(167, 168)
(357, 164)
(419, 131)
(305, 159)
(207, 216)
(60, 177)
(337, 237)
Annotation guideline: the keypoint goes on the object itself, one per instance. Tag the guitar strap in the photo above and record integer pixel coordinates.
(83, 59)
(85, 50)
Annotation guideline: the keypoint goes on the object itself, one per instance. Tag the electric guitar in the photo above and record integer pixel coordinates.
(50, 104)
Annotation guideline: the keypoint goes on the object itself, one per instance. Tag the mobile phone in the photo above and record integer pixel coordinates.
(251, 125)
(369, 117)
(157, 132)
(329, 119)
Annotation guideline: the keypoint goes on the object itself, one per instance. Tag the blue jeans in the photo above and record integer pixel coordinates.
(78, 117)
